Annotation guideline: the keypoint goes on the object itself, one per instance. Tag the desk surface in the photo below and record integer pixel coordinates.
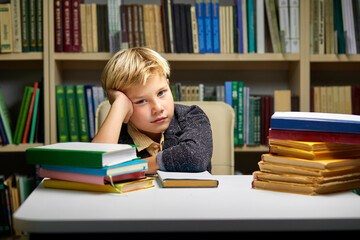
(233, 206)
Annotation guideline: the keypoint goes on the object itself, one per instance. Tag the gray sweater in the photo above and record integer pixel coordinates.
(188, 142)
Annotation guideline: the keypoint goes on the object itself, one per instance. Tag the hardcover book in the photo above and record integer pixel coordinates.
(81, 154)
(121, 187)
(312, 121)
(186, 179)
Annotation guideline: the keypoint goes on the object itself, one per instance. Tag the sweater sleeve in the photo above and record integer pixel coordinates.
(190, 143)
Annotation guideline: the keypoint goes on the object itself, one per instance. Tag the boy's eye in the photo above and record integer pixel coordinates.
(140, 102)
(161, 93)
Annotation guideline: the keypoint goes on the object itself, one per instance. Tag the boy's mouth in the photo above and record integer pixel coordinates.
(159, 120)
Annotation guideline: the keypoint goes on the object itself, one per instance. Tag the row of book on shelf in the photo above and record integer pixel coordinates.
(334, 27)
(28, 128)
(14, 189)
(21, 26)
(76, 108)
(311, 153)
(335, 99)
(178, 26)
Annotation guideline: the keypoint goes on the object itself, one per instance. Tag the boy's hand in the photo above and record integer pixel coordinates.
(120, 98)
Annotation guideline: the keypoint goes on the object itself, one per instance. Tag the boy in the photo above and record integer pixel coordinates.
(171, 137)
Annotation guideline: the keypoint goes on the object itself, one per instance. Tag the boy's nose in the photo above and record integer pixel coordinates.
(157, 107)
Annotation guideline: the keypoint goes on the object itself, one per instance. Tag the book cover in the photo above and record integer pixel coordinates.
(122, 187)
(311, 121)
(20, 124)
(273, 25)
(312, 155)
(185, 179)
(81, 154)
(314, 164)
(88, 178)
(82, 116)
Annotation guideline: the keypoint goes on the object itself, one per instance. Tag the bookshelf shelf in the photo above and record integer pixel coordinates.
(31, 56)
(18, 148)
(335, 58)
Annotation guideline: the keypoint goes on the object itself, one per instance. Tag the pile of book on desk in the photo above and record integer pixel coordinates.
(311, 153)
(90, 167)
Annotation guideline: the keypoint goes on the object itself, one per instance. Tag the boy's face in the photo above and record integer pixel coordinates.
(153, 105)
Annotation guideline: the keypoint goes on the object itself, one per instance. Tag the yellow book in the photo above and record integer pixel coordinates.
(121, 187)
(316, 164)
(305, 171)
(313, 146)
(312, 155)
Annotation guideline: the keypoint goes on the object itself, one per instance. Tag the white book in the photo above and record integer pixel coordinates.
(16, 24)
(284, 23)
(260, 26)
(294, 26)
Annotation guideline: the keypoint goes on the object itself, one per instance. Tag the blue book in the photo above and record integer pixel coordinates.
(240, 27)
(90, 110)
(215, 26)
(122, 168)
(207, 11)
(200, 23)
(314, 121)
(228, 92)
(251, 26)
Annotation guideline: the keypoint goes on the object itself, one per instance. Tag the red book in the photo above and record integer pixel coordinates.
(30, 113)
(67, 26)
(76, 33)
(58, 25)
(314, 136)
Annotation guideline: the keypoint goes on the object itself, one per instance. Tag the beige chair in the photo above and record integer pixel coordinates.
(221, 117)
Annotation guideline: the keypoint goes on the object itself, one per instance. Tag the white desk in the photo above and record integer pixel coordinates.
(233, 206)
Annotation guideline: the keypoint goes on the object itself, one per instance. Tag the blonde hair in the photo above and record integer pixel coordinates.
(131, 67)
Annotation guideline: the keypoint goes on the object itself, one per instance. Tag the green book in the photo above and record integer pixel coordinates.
(61, 114)
(25, 25)
(5, 117)
(34, 116)
(72, 113)
(22, 107)
(24, 115)
(81, 154)
(82, 114)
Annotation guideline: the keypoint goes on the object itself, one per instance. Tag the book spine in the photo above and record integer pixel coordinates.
(5, 117)
(284, 23)
(260, 27)
(75, 16)
(62, 120)
(90, 111)
(32, 25)
(82, 113)
(25, 41)
(58, 6)
(215, 26)
(235, 102)
(200, 23)
(16, 24)
(208, 27)
(39, 26)
(240, 26)
(194, 28)
(6, 35)
(34, 117)
(72, 113)
(240, 113)
(294, 26)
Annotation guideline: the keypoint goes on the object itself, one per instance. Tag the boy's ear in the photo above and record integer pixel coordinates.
(167, 80)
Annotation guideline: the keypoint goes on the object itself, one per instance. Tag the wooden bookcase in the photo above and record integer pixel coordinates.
(293, 71)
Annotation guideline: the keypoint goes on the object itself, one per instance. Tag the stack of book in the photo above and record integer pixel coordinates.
(311, 153)
(95, 167)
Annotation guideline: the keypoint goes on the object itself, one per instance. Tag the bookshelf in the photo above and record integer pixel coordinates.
(292, 71)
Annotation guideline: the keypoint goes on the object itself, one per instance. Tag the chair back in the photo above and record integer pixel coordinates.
(221, 116)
